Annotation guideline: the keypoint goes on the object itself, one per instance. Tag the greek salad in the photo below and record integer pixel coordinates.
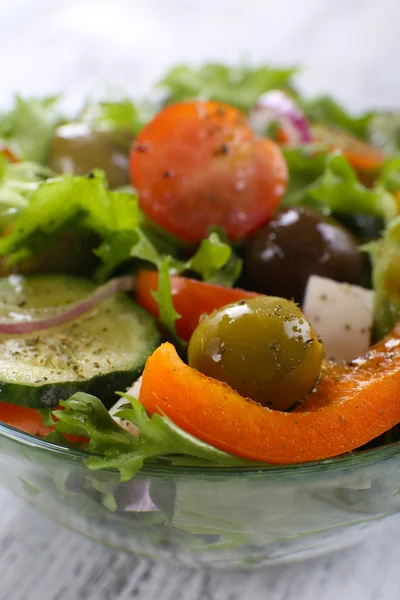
(207, 276)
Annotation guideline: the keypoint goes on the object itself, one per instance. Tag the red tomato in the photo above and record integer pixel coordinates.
(25, 419)
(191, 298)
(29, 420)
(198, 164)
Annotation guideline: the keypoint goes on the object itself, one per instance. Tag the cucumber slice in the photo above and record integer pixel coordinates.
(101, 352)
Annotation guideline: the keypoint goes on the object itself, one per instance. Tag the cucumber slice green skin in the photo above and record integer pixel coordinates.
(50, 394)
(101, 352)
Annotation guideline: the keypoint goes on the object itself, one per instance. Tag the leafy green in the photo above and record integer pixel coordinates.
(17, 183)
(47, 416)
(385, 255)
(215, 260)
(163, 296)
(114, 447)
(384, 131)
(338, 190)
(239, 86)
(305, 164)
(212, 255)
(29, 127)
(117, 114)
(68, 201)
(328, 182)
(390, 175)
(326, 110)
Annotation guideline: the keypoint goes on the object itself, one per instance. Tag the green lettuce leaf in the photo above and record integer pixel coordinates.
(326, 110)
(18, 181)
(117, 114)
(390, 175)
(305, 165)
(239, 86)
(163, 296)
(328, 182)
(338, 190)
(114, 447)
(67, 201)
(212, 255)
(29, 127)
(384, 131)
(215, 260)
(385, 255)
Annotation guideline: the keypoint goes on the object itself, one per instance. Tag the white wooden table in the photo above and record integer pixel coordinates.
(350, 47)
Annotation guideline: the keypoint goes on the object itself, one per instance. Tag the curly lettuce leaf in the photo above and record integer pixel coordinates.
(117, 114)
(215, 260)
(338, 190)
(70, 201)
(18, 181)
(385, 255)
(29, 127)
(389, 176)
(305, 165)
(384, 131)
(167, 313)
(239, 86)
(328, 182)
(325, 109)
(115, 448)
(212, 255)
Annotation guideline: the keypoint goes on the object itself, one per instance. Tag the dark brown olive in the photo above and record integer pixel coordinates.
(297, 243)
(77, 148)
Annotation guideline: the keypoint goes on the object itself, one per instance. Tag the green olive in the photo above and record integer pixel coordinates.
(77, 148)
(263, 347)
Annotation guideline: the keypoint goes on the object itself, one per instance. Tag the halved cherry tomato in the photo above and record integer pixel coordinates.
(361, 156)
(352, 405)
(191, 298)
(30, 421)
(198, 164)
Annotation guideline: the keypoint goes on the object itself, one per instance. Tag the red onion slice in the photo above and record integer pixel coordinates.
(276, 107)
(71, 311)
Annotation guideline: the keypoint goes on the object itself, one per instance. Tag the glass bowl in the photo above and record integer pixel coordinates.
(208, 516)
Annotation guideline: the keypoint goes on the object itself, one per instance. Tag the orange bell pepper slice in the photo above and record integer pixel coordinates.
(9, 155)
(191, 298)
(361, 155)
(352, 404)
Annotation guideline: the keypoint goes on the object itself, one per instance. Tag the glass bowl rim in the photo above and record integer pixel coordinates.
(360, 458)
